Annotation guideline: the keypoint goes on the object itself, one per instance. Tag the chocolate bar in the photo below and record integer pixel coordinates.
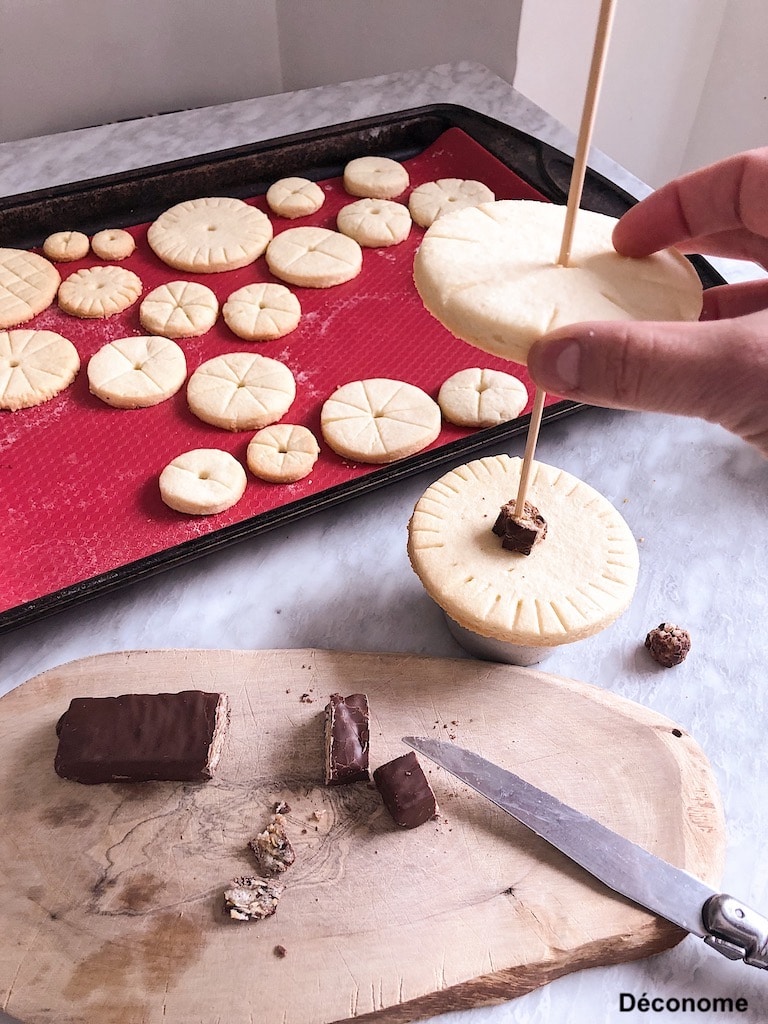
(142, 737)
(346, 739)
(406, 793)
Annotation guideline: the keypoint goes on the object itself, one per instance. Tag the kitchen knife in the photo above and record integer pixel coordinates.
(723, 922)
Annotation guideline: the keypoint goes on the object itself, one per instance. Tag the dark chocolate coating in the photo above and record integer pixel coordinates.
(406, 793)
(346, 739)
(140, 737)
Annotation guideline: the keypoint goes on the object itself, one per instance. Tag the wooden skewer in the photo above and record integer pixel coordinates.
(576, 187)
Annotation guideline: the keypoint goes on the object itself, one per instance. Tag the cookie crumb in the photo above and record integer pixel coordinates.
(668, 644)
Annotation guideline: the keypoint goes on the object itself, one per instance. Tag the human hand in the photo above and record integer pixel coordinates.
(716, 368)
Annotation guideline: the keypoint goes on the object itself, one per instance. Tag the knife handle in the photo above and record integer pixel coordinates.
(736, 931)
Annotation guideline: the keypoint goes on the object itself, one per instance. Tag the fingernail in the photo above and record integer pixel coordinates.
(559, 364)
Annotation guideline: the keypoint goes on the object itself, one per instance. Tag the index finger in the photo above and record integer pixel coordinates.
(725, 196)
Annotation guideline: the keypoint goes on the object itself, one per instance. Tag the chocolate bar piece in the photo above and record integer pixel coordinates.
(346, 739)
(520, 533)
(142, 737)
(251, 899)
(406, 793)
(272, 847)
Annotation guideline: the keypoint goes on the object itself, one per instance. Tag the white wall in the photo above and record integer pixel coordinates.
(73, 63)
(685, 81)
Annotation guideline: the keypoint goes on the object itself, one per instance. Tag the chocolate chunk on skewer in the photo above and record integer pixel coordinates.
(346, 739)
(406, 793)
(142, 737)
(520, 533)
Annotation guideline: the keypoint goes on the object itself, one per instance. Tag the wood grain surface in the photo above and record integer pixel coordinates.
(111, 895)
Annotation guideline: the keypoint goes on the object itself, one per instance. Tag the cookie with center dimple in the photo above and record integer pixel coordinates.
(262, 312)
(282, 453)
(34, 366)
(294, 197)
(314, 257)
(431, 200)
(576, 580)
(28, 285)
(113, 244)
(202, 482)
(137, 372)
(379, 420)
(375, 223)
(480, 397)
(210, 235)
(95, 292)
(241, 391)
(179, 309)
(377, 177)
(490, 275)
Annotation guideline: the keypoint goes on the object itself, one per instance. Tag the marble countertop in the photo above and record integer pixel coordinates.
(695, 497)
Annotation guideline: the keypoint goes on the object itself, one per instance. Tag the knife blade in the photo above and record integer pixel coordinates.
(722, 921)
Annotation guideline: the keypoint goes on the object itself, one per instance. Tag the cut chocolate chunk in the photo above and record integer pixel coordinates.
(520, 533)
(346, 739)
(142, 737)
(406, 793)
(251, 899)
(272, 847)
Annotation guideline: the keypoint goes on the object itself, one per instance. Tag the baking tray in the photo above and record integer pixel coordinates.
(78, 479)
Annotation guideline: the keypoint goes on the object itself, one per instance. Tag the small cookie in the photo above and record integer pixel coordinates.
(479, 397)
(241, 391)
(375, 177)
(379, 420)
(113, 244)
(431, 200)
(490, 275)
(314, 257)
(202, 482)
(28, 285)
(295, 197)
(210, 235)
(100, 291)
(375, 223)
(574, 583)
(137, 372)
(282, 453)
(261, 312)
(65, 246)
(179, 309)
(34, 366)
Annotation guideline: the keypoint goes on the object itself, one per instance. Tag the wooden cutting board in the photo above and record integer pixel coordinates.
(111, 895)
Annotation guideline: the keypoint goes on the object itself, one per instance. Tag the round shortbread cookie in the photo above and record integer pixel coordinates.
(210, 235)
(241, 391)
(431, 200)
(575, 581)
(490, 275)
(113, 244)
(375, 223)
(202, 482)
(379, 420)
(65, 246)
(34, 366)
(99, 291)
(295, 197)
(375, 177)
(282, 453)
(28, 285)
(179, 309)
(314, 257)
(480, 397)
(262, 312)
(137, 372)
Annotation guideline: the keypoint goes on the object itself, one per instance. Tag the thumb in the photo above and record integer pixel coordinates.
(717, 370)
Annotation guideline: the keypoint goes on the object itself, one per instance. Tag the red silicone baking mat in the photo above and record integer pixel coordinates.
(78, 479)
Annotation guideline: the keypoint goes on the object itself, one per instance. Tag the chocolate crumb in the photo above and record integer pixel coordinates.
(668, 644)
(280, 951)
(305, 698)
(281, 807)
(520, 533)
